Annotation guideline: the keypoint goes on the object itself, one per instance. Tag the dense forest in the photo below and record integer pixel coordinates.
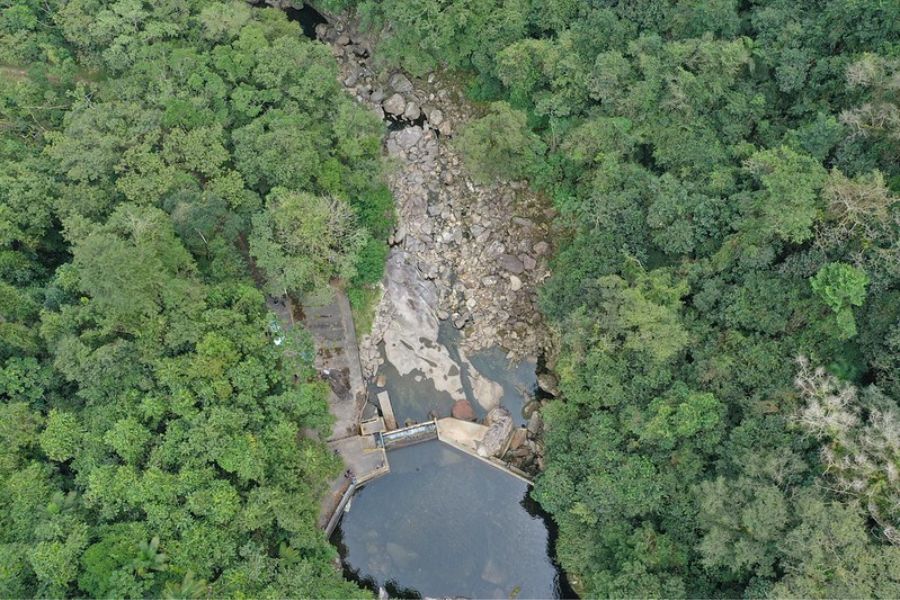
(726, 291)
(155, 158)
(725, 296)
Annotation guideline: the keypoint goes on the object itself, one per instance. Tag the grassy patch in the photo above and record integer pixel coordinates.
(363, 301)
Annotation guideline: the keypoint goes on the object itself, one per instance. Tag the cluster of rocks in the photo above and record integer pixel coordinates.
(520, 447)
(463, 252)
(526, 448)
(484, 247)
(391, 96)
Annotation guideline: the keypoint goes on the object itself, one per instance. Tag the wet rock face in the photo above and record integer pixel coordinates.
(407, 323)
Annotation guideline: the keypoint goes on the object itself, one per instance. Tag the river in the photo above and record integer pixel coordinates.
(465, 256)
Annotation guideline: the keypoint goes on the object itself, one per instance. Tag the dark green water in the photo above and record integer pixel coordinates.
(444, 524)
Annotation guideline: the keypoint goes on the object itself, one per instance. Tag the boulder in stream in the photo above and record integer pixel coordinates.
(519, 436)
(400, 83)
(535, 424)
(549, 383)
(531, 407)
(462, 410)
(500, 428)
(412, 111)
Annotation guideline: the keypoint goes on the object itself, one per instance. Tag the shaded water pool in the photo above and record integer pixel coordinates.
(413, 396)
(518, 379)
(444, 524)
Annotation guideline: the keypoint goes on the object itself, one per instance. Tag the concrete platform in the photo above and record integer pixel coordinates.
(464, 435)
(372, 426)
(362, 456)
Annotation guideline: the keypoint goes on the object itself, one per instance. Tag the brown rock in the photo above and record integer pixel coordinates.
(518, 438)
(511, 264)
(530, 408)
(500, 428)
(549, 383)
(462, 410)
(535, 424)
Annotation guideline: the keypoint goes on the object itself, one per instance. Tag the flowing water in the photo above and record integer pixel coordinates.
(444, 524)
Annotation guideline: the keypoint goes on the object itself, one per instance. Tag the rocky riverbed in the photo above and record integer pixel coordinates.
(483, 248)
(464, 253)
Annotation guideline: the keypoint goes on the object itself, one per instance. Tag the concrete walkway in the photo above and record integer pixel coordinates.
(330, 322)
(337, 358)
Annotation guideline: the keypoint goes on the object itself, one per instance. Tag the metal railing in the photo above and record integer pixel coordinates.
(407, 436)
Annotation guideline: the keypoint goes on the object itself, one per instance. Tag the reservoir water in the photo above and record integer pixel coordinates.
(445, 524)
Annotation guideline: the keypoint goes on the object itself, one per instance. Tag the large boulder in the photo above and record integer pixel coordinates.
(549, 383)
(500, 429)
(519, 437)
(462, 410)
(400, 83)
(408, 136)
(487, 392)
(535, 424)
(435, 116)
(531, 407)
(412, 111)
(395, 105)
(511, 264)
